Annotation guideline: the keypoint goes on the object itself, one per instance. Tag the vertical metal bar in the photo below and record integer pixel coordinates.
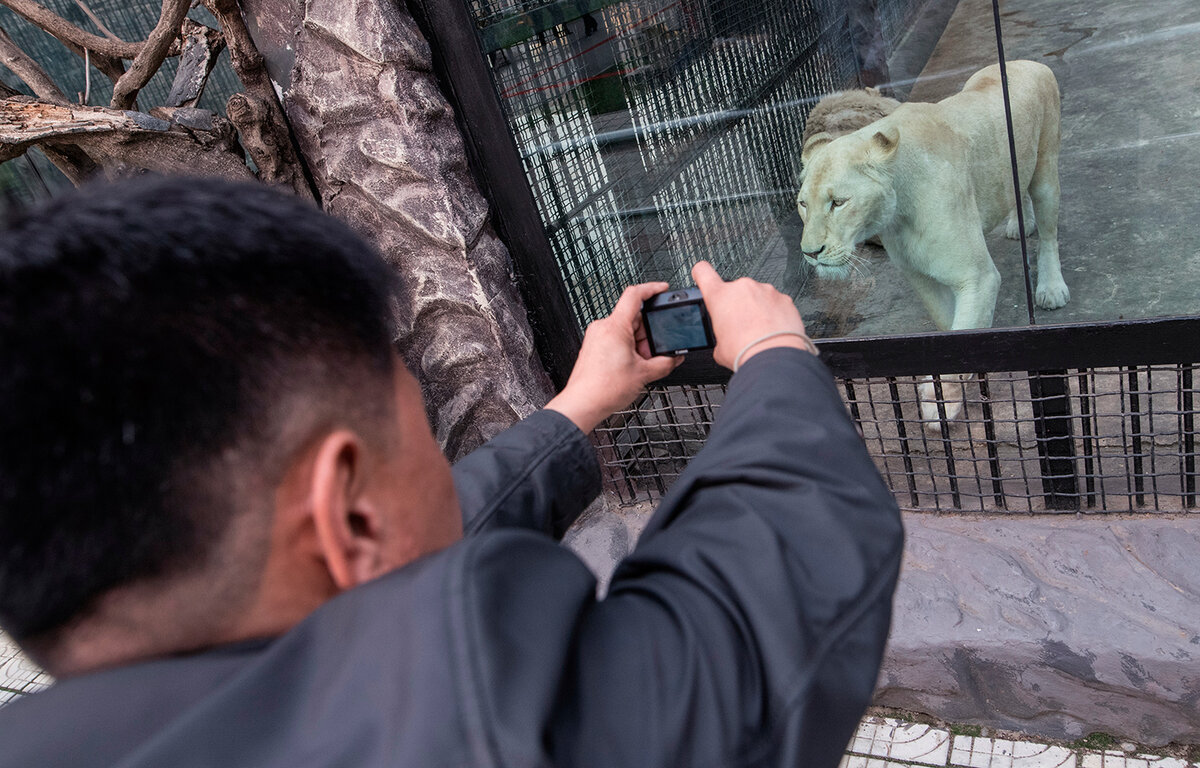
(1012, 155)
(1085, 426)
(989, 431)
(1189, 438)
(849, 386)
(1135, 430)
(1056, 448)
(943, 424)
(465, 77)
(902, 432)
(1151, 447)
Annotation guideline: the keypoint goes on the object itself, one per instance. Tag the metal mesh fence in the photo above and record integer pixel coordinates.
(1091, 439)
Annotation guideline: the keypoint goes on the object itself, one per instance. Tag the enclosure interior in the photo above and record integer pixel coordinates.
(655, 133)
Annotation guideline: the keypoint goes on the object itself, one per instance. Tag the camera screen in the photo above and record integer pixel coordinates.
(677, 328)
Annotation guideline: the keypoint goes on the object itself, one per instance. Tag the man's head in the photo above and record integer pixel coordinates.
(202, 414)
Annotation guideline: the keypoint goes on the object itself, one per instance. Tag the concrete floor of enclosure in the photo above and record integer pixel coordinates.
(1129, 168)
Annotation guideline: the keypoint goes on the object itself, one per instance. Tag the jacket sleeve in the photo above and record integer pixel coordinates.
(539, 474)
(747, 626)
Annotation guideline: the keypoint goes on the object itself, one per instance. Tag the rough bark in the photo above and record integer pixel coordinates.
(387, 157)
(257, 113)
(119, 141)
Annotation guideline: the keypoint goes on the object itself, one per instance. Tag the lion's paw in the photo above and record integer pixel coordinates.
(952, 404)
(932, 420)
(1052, 294)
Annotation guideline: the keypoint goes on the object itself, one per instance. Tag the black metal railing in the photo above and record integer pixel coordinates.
(1055, 418)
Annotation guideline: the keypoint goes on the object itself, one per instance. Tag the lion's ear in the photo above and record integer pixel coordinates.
(884, 142)
(815, 142)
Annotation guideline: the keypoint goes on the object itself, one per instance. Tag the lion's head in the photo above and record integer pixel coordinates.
(846, 196)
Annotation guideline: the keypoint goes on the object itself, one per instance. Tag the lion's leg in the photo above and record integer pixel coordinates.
(974, 305)
(951, 400)
(937, 298)
(975, 300)
(1011, 229)
(1052, 291)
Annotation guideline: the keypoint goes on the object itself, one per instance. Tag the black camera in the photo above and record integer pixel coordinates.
(676, 321)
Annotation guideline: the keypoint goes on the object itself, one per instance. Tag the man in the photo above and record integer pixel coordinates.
(227, 529)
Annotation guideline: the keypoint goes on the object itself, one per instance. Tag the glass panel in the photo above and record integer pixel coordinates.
(659, 132)
(1130, 156)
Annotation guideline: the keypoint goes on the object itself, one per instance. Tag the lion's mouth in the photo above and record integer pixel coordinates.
(833, 263)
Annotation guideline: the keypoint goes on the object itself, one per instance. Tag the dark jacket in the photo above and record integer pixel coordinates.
(745, 629)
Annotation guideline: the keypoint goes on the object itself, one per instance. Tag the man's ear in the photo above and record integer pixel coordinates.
(348, 527)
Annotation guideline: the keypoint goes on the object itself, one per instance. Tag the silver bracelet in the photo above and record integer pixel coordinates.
(808, 344)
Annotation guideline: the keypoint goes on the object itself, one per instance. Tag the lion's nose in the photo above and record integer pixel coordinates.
(814, 254)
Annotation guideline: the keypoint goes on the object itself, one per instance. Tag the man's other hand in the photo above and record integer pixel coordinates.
(745, 310)
(614, 363)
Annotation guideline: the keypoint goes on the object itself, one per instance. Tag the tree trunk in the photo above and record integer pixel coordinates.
(381, 143)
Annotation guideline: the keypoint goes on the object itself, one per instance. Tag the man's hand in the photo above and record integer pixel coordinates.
(745, 310)
(614, 363)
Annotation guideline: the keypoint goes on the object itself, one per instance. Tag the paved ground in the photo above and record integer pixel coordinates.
(1129, 168)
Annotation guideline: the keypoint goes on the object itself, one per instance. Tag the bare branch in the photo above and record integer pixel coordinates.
(152, 55)
(96, 20)
(72, 161)
(258, 114)
(112, 67)
(201, 46)
(118, 140)
(67, 32)
(28, 70)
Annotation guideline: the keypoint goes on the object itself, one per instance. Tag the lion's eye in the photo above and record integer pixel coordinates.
(803, 204)
(836, 203)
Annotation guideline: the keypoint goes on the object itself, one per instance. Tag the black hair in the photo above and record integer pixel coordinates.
(147, 327)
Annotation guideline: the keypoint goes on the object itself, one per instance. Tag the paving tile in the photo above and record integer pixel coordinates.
(910, 742)
(981, 752)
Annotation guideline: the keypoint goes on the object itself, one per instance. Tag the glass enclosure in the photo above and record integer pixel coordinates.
(656, 133)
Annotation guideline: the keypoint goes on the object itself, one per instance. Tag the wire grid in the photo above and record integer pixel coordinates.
(667, 133)
(1125, 440)
(645, 448)
(896, 16)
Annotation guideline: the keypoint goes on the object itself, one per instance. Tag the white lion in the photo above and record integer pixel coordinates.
(930, 180)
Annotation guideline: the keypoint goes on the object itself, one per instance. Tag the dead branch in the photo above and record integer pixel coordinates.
(118, 140)
(259, 115)
(252, 118)
(201, 46)
(64, 30)
(72, 161)
(29, 71)
(96, 20)
(112, 67)
(152, 54)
